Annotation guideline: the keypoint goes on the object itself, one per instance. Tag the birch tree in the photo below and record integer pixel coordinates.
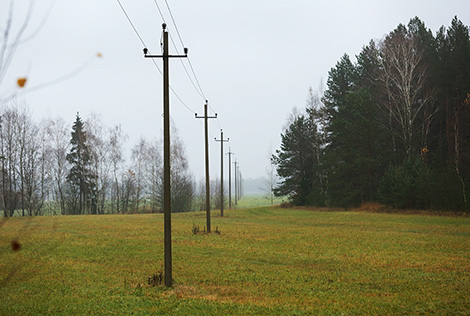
(404, 79)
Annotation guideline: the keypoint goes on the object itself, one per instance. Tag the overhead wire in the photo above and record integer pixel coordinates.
(198, 87)
(174, 23)
(181, 40)
(200, 90)
(154, 62)
(158, 7)
(186, 70)
(132, 24)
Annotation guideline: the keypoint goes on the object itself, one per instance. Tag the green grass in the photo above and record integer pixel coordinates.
(266, 261)
(252, 201)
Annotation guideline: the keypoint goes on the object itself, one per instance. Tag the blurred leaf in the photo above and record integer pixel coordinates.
(21, 82)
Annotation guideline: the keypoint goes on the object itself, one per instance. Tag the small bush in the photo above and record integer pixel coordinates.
(155, 279)
(197, 231)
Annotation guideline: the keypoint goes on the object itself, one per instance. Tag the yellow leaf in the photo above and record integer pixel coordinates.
(21, 82)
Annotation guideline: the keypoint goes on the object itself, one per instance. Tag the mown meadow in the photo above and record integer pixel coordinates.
(265, 261)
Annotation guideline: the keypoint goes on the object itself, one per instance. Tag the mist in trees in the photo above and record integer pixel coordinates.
(58, 168)
(392, 127)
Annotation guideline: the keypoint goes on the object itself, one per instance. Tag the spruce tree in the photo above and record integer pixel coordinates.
(297, 165)
(80, 178)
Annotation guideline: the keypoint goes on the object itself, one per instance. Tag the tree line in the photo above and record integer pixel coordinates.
(392, 127)
(53, 167)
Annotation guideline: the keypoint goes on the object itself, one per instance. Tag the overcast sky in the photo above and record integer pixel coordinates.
(255, 60)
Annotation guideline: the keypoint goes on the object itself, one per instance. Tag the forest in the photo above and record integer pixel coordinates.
(391, 127)
(59, 168)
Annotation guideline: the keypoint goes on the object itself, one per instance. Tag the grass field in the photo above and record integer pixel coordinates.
(253, 200)
(266, 261)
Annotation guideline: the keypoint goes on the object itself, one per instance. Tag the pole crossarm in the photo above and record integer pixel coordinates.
(161, 56)
(166, 153)
(205, 116)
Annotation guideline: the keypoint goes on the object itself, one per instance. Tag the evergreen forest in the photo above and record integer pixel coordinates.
(391, 127)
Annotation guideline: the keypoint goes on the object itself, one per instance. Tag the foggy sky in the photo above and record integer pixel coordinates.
(255, 61)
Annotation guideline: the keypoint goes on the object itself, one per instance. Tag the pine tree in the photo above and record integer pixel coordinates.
(356, 140)
(297, 165)
(80, 178)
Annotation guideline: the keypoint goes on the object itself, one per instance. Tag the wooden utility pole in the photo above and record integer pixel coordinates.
(240, 184)
(206, 133)
(236, 186)
(222, 140)
(230, 153)
(166, 152)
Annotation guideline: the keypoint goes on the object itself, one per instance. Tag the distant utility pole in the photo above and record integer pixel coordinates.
(230, 153)
(166, 152)
(239, 177)
(239, 183)
(206, 133)
(222, 140)
(236, 186)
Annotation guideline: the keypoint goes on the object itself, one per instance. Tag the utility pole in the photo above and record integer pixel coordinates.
(239, 188)
(206, 133)
(239, 176)
(222, 140)
(166, 152)
(230, 153)
(236, 186)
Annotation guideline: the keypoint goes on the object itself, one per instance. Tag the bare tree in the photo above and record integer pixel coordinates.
(31, 160)
(9, 161)
(100, 159)
(116, 142)
(270, 180)
(128, 190)
(182, 186)
(58, 143)
(139, 165)
(154, 175)
(9, 40)
(201, 195)
(12, 35)
(217, 194)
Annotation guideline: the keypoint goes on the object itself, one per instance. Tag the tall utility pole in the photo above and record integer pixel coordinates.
(230, 153)
(236, 186)
(166, 152)
(222, 140)
(206, 133)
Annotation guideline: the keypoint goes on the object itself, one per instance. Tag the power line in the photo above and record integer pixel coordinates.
(216, 117)
(186, 70)
(197, 81)
(174, 23)
(132, 24)
(161, 14)
(143, 43)
(201, 92)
